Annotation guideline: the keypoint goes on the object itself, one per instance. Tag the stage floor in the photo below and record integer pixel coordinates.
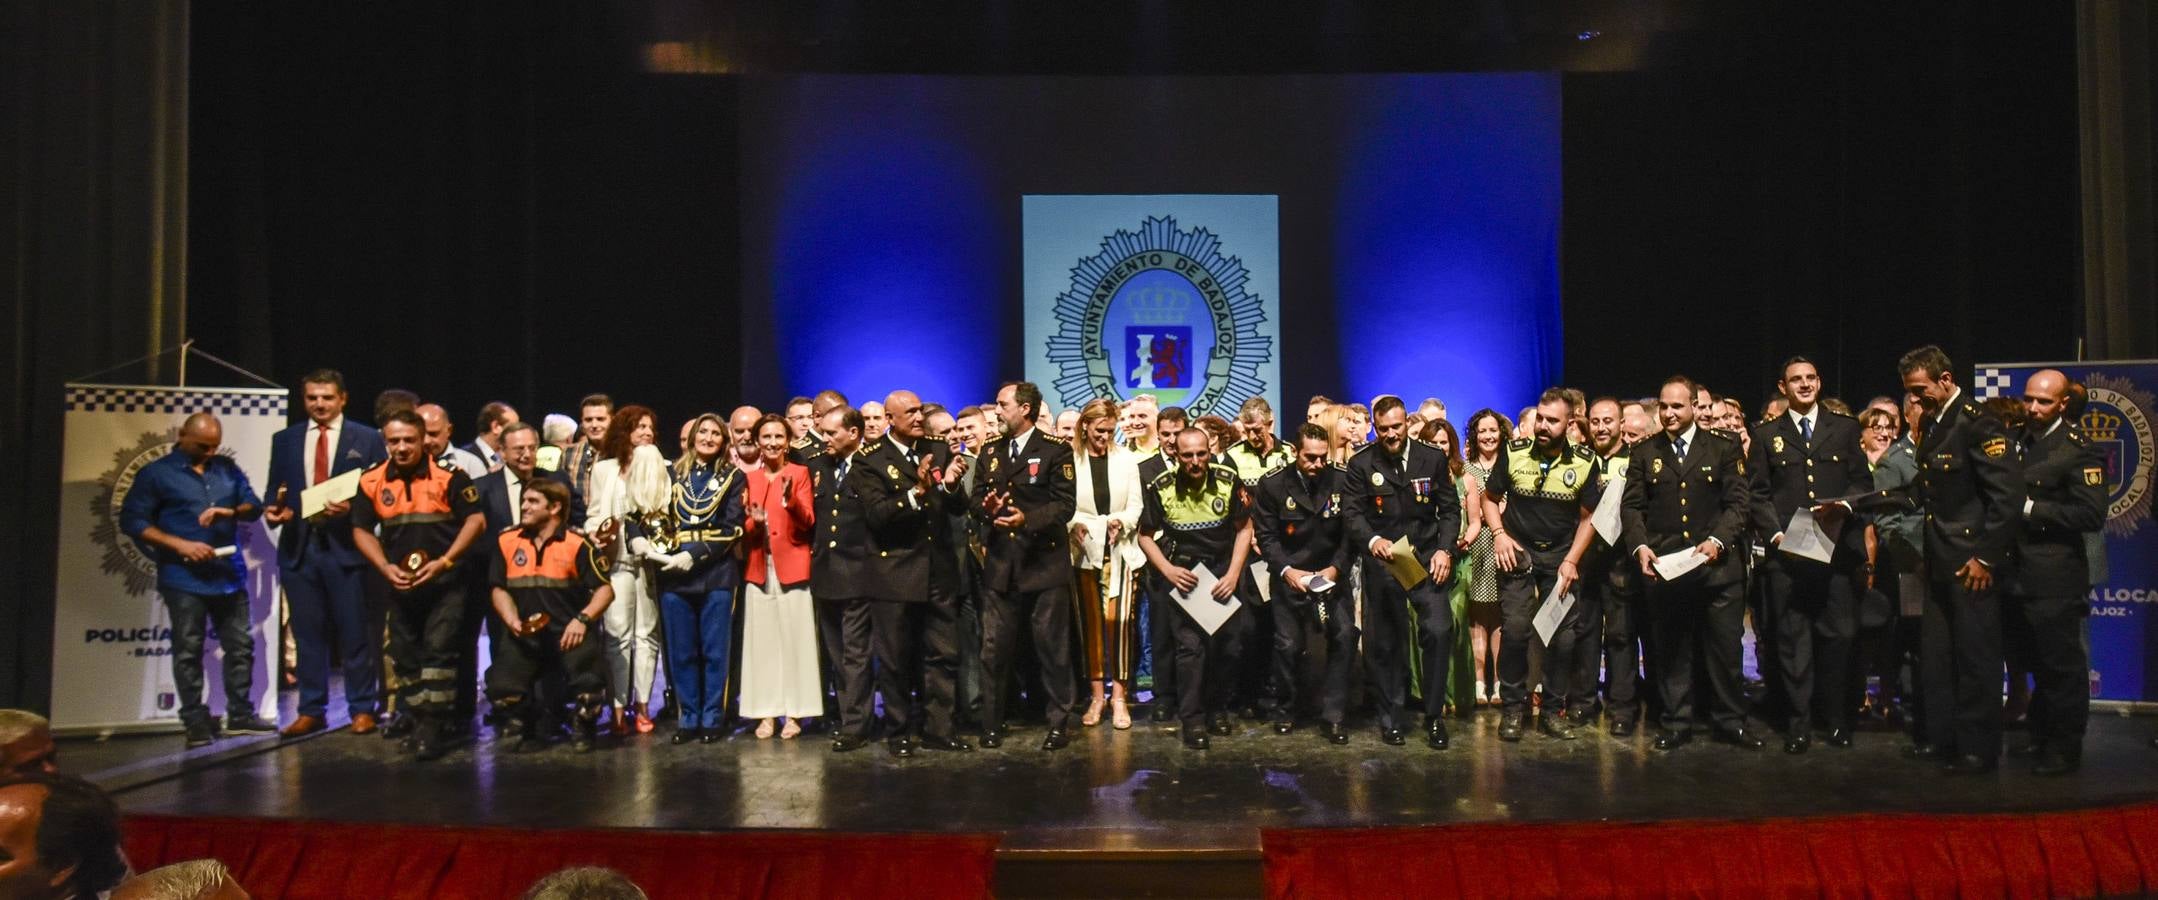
(1109, 792)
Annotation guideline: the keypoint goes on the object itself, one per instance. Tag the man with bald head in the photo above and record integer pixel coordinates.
(436, 442)
(741, 434)
(2066, 478)
(874, 420)
(908, 484)
(184, 510)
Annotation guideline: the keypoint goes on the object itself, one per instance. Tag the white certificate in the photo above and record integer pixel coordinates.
(337, 489)
(1606, 517)
(1199, 602)
(1679, 562)
(1803, 537)
(1265, 582)
(1551, 614)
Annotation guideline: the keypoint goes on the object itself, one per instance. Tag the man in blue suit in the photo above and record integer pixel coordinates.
(322, 573)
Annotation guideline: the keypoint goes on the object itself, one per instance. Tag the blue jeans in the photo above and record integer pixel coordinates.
(192, 615)
(699, 629)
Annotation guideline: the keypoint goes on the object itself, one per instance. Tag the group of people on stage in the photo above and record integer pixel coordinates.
(994, 562)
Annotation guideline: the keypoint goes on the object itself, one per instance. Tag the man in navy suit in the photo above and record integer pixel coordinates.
(321, 571)
(502, 490)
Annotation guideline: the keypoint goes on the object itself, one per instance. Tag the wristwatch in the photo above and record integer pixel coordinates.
(587, 619)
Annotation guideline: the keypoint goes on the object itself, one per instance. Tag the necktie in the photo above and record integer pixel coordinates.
(1805, 428)
(1679, 444)
(322, 454)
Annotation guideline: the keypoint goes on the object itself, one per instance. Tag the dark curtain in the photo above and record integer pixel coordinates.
(463, 201)
(1872, 178)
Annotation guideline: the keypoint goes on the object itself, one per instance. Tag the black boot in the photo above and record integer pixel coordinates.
(430, 736)
(584, 723)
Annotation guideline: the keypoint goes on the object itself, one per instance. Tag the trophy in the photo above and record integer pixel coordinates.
(415, 560)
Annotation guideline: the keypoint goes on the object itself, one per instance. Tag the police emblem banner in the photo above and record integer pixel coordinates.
(2119, 418)
(112, 640)
(1177, 296)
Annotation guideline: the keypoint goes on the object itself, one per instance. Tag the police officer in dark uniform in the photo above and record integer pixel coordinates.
(908, 486)
(429, 517)
(2065, 477)
(1296, 515)
(1686, 490)
(1253, 458)
(1161, 639)
(1610, 598)
(1197, 514)
(1400, 489)
(1549, 489)
(548, 592)
(1810, 458)
(1025, 494)
(1970, 486)
(836, 580)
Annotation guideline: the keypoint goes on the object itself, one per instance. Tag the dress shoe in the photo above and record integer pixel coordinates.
(938, 742)
(1334, 733)
(364, 724)
(848, 743)
(1435, 733)
(2054, 762)
(1838, 737)
(1393, 736)
(2036, 748)
(1284, 726)
(1580, 717)
(902, 748)
(306, 725)
(1160, 713)
(1797, 743)
(684, 736)
(1672, 740)
(1194, 739)
(1925, 751)
(1968, 764)
(248, 725)
(1557, 727)
(993, 739)
(1622, 727)
(708, 737)
(1510, 727)
(1056, 739)
(1218, 724)
(1741, 738)
(400, 727)
(200, 734)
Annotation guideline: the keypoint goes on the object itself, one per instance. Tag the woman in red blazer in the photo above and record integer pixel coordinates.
(779, 628)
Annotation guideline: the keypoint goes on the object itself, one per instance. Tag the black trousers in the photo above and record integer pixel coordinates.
(1207, 665)
(1608, 635)
(1813, 608)
(1386, 637)
(425, 625)
(1960, 656)
(1161, 636)
(1695, 621)
(896, 632)
(1255, 670)
(1293, 612)
(520, 662)
(831, 650)
(2047, 636)
(1048, 617)
(1521, 595)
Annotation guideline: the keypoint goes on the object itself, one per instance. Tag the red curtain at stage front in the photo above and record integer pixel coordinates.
(2066, 854)
(332, 861)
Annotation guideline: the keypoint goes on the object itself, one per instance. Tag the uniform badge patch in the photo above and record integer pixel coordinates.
(1220, 505)
(1067, 470)
(1568, 477)
(1994, 448)
(1775, 444)
(389, 497)
(893, 472)
(471, 494)
(1288, 503)
(2094, 476)
(518, 557)
(1655, 467)
(1377, 480)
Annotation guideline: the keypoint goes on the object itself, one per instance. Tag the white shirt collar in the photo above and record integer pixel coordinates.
(2051, 428)
(1948, 404)
(336, 425)
(1811, 417)
(1686, 437)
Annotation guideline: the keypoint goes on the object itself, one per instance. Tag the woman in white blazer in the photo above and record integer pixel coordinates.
(629, 483)
(1106, 558)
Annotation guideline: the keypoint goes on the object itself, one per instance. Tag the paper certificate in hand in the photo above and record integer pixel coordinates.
(1405, 566)
(1199, 602)
(1679, 562)
(337, 489)
(1803, 537)
(1606, 517)
(1552, 614)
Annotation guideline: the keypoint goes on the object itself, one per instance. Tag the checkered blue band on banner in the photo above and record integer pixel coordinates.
(1993, 383)
(175, 401)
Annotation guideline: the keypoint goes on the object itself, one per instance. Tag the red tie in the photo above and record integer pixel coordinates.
(322, 454)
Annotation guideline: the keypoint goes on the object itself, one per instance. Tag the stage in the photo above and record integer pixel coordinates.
(1115, 812)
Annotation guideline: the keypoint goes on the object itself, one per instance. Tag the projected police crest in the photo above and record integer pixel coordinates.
(1172, 296)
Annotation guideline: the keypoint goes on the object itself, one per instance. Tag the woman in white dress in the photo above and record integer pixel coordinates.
(1106, 559)
(779, 626)
(630, 482)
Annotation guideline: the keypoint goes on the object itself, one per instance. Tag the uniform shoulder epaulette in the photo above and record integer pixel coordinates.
(802, 442)
(1834, 413)
(933, 439)
(1164, 476)
(1338, 466)
(1520, 443)
(2075, 435)
(1726, 435)
(1971, 407)
(1425, 443)
(1218, 467)
(1373, 447)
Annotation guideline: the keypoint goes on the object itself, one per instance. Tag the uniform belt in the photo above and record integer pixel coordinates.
(704, 536)
(1547, 545)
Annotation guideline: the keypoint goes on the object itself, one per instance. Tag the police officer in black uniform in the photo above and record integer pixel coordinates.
(1197, 514)
(1970, 486)
(1810, 458)
(2065, 478)
(1161, 638)
(836, 581)
(1025, 494)
(1610, 593)
(1297, 517)
(1400, 489)
(1686, 490)
(1549, 488)
(908, 485)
